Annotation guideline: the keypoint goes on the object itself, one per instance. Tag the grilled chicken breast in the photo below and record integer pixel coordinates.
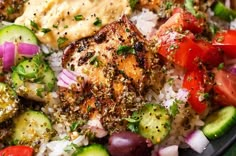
(113, 69)
(10, 9)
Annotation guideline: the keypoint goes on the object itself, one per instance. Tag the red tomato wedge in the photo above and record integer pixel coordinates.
(226, 40)
(180, 21)
(225, 87)
(179, 49)
(17, 151)
(194, 83)
(209, 55)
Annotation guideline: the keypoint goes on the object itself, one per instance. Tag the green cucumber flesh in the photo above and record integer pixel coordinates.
(91, 150)
(8, 102)
(16, 80)
(49, 78)
(27, 69)
(155, 122)
(218, 123)
(30, 127)
(17, 33)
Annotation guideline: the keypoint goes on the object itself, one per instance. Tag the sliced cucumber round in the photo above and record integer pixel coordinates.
(218, 123)
(30, 127)
(155, 122)
(27, 69)
(91, 150)
(17, 33)
(8, 102)
(49, 78)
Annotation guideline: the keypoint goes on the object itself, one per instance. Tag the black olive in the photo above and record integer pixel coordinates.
(128, 144)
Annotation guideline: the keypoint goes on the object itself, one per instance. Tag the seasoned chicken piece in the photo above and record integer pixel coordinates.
(114, 67)
(10, 9)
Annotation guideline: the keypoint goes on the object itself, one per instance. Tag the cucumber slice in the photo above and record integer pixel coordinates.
(155, 123)
(91, 150)
(218, 123)
(17, 33)
(8, 102)
(30, 127)
(27, 69)
(16, 80)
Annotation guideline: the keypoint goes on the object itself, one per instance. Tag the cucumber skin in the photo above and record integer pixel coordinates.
(91, 150)
(4, 34)
(149, 120)
(19, 130)
(212, 132)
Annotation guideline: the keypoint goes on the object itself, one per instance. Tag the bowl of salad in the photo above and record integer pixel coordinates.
(124, 78)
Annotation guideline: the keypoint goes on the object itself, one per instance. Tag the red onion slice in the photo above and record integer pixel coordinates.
(169, 151)
(70, 74)
(66, 79)
(28, 50)
(8, 55)
(61, 83)
(197, 141)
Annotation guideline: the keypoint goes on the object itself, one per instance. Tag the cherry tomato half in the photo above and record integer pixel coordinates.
(194, 83)
(225, 87)
(179, 49)
(226, 40)
(17, 151)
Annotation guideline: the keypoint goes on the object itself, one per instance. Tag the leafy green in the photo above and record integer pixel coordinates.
(174, 108)
(61, 41)
(45, 30)
(125, 50)
(223, 12)
(220, 66)
(97, 22)
(10, 10)
(133, 122)
(133, 3)
(189, 5)
(76, 124)
(78, 17)
(34, 25)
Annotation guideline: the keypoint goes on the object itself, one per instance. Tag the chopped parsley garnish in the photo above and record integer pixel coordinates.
(97, 22)
(174, 107)
(94, 61)
(75, 125)
(206, 96)
(125, 50)
(61, 41)
(127, 30)
(168, 5)
(133, 122)
(10, 10)
(170, 81)
(55, 26)
(40, 91)
(45, 30)
(34, 25)
(66, 26)
(133, 3)
(89, 108)
(213, 29)
(71, 147)
(189, 5)
(220, 66)
(78, 17)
